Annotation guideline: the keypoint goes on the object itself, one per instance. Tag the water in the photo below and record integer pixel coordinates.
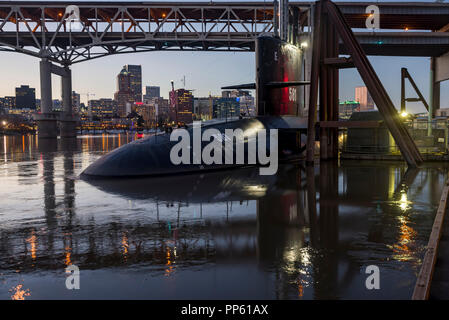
(302, 234)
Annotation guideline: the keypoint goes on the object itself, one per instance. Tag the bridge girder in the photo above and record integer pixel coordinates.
(40, 28)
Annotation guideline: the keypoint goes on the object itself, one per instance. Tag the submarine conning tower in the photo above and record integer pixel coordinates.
(278, 77)
(279, 65)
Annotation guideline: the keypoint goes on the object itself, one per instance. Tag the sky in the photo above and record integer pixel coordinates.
(205, 72)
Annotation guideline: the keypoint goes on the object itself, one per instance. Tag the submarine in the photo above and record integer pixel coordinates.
(278, 73)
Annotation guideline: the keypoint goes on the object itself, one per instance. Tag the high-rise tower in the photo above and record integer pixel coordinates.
(135, 75)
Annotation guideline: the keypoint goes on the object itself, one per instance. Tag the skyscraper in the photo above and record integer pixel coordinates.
(123, 95)
(151, 92)
(226, 108)
(135, 78)
(25, 98)
(363, 97)
(102, 108)
(181, 106)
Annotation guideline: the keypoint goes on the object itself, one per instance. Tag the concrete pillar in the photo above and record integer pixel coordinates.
(66, 88)
(436, 96)
(67, 122)
(46, 98)
(435, 99)
(46, 119)
(431, 97)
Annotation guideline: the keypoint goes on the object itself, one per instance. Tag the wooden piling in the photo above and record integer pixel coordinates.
(380, 96)
(423, 283)
(313, 96)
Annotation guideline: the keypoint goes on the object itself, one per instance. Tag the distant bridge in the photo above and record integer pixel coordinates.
(42, 29)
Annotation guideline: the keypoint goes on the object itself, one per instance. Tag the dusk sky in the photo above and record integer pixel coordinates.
(204, 71)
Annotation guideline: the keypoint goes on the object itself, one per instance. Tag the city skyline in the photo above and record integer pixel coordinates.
(160, 67)
(234, 67)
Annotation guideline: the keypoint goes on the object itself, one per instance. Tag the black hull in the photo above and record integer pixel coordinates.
(151, 156)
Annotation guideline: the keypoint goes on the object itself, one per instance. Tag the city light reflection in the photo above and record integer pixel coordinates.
(407, 235)
(125, 246)
(32, 240)
(19, 293)
(403, 203)
(68, 254)
(169, 268)
(5, 153)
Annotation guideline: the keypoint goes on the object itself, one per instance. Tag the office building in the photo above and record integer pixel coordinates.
(181, 106)
(203, 108)
(123, 96)
(135, 81)
(247, 105)
(152, 92)
(25, 98)
(225, 108)
(2, 106)
(9, 102)
(102, 108)
(347, 108)
(363, 97)
(148, 114)
(235, 93)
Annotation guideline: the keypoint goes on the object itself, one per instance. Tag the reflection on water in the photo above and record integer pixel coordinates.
(305, 233)
(19, 293)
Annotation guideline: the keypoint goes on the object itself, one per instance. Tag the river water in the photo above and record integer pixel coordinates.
(304, 233)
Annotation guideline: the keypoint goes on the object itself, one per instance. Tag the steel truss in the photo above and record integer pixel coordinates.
(44, 29)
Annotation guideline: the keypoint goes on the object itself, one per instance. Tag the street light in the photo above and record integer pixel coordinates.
(4, 123)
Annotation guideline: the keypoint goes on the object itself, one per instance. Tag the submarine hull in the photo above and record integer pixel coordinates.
(151, 156)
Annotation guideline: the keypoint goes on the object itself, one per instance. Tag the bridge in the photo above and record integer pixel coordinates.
(46, 29)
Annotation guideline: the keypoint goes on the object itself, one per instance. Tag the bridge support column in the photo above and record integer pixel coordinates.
(435, 98)
(431, 112)
(67, 122)
(328, 90)
(46, 119)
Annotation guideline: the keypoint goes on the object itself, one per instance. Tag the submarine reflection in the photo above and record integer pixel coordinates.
(306, 232)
